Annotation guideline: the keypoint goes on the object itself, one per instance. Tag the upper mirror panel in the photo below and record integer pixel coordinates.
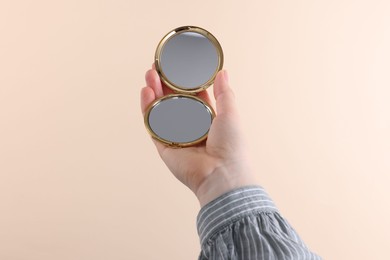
(189, 60)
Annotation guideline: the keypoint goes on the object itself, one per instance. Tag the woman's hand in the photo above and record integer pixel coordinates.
(219, 164)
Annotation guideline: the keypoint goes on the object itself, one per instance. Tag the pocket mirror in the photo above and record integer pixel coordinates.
(187, 60)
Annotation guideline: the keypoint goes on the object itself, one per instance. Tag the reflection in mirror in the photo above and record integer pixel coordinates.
(180, 119)
(189, 60)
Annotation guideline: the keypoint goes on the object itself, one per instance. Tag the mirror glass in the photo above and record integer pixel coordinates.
(189, 60)
(180, 119)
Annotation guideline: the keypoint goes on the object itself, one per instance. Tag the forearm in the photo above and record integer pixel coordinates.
(224, 178)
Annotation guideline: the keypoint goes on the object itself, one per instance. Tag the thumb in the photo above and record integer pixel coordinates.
(224, 96)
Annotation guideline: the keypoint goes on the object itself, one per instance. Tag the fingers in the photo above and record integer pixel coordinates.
(147, 97)
(153, 81)
(204, 95)
(224, 96)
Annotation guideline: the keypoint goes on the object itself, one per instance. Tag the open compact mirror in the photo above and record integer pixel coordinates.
(187, 60)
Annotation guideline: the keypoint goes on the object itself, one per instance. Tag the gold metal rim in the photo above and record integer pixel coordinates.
(167, 142)
(157, 60)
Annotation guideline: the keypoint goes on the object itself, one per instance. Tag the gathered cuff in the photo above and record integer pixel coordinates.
(230, 207)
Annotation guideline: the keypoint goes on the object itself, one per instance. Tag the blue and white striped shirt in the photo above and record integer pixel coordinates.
(245, 224)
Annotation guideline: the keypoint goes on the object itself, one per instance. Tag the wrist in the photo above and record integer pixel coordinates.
(222, 180)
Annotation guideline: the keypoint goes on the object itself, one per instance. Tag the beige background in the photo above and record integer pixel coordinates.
(80, 179)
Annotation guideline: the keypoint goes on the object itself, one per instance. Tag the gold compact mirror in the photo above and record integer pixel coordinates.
(187, 60)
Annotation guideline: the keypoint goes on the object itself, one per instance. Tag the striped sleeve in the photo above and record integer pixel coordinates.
(245, 224)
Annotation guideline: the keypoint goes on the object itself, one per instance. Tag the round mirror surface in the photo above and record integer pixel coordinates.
(180, 119)
(189, 60)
